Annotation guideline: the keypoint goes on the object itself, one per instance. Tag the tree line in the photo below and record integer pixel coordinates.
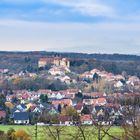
(32, 84)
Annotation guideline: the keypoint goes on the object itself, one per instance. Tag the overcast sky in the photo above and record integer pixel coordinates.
(91, 26)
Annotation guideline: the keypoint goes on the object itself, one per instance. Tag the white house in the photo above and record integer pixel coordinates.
(21, 117)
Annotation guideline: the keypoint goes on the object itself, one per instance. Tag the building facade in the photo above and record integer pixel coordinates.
(58, 61)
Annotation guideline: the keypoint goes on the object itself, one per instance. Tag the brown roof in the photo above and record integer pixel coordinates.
(65, 118)
(62, 101)
(94, 94)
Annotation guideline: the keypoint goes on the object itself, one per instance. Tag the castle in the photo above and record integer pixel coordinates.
(58, 61)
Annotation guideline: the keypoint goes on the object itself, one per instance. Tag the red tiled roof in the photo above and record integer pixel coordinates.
(2, 114)
(101, 100)
(86, 117)
(25, 96)
(79, 106)
(63, 101)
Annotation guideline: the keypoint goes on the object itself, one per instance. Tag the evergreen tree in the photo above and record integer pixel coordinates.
(59, 108)
(43, 98)
(85, 110)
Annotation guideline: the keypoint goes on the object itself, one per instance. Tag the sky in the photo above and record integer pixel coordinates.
(87, 26)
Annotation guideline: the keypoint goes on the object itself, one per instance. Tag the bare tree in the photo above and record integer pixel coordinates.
(54, 132)
(81, 132)
(131, 114)
(101, 131)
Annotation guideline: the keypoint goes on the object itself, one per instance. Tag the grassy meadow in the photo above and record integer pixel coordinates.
(66, 133)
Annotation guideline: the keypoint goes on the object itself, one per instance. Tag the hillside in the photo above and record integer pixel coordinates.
(80, 62)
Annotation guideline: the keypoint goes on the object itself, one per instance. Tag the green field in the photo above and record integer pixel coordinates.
(16, 127)
(66, 134)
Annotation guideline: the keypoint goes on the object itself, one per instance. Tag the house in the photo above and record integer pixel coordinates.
(2, 114)
(87, 75)
(119, 77)
(96, 109)
(30, 105)
(56, 95)
(21, 117)
(101, 113)
(13, 110)
(133, 79)
(65, 120)
(70, 93)
(94, 94)
(99, 102)
(86, 119)
(9, 105)
(79, 107)
(32, 75)
(21, 107)
(65, 79)
(37, 110)
(58, 70)
(4, 71)
(88, 101)
(118, 84)
(10, 97)
(43, 91)
(52, 110)
(45, 61)
(58, 61)
(25, 96)
(62, 101)
(95, 71)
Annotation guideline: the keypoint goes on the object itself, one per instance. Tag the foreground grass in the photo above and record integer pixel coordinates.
(67, 132)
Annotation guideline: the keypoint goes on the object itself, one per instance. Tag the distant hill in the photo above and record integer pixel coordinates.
(80, 62)
(37, 54)
(115, 57)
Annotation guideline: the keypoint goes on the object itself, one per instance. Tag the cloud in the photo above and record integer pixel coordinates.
(88, 7)
(71, 10)
(70, 37)
(104, 26)
(60, 32)
(84, 7)
(18, 1)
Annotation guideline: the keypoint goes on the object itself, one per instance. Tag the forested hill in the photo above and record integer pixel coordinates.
(115, 57)
(80, 62)
(36, 54)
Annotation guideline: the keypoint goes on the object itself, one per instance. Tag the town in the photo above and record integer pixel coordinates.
(58, 96)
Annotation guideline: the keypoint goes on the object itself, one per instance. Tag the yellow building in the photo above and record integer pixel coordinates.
(58, 61)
